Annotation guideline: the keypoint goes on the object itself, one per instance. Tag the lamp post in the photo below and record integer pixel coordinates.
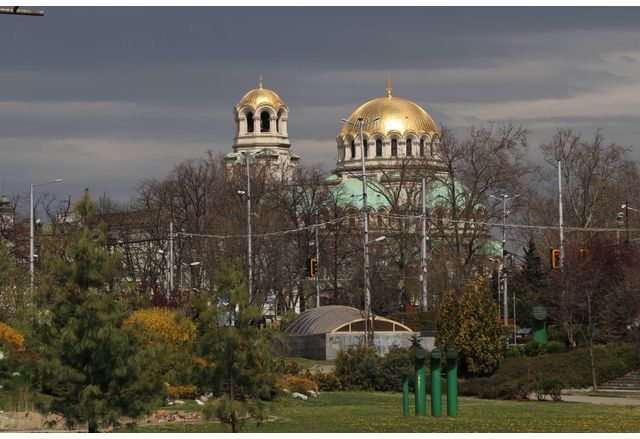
(503, 276)
(31, 227)
(247, 157)
(627, 208)
(360, 123)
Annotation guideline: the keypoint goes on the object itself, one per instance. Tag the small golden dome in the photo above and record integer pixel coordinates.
(260, 96)
(397, 115)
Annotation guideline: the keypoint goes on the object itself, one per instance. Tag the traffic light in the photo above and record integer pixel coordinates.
(555, 258)
(313, 267)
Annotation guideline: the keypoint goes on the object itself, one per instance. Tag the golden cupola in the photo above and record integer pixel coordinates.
(259, 97)
(397, 116)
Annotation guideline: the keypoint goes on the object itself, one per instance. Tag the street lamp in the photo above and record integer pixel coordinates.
(504, 198)
(360, 123)
(247, 156)
(31, 227)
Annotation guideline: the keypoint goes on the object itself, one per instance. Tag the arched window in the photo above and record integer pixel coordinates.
(378, 147)
(409, 149)
(421, 147)
(431, 149)
(366, 148)
(353, 149)
(265, 122)
(394, 147)
(278, 125)
(249, 122)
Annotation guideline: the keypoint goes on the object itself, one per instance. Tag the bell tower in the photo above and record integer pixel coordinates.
(261, 119)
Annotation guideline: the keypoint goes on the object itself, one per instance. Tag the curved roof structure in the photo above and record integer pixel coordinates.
(397, 115)
(338, 318)
(260, 96)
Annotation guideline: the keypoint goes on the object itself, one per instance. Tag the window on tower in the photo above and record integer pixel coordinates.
(394, 147)
(378, 147)
(249, 122)
(366, 148)
(409, 148)
(265, 122)
(421, 147)
(353, 149)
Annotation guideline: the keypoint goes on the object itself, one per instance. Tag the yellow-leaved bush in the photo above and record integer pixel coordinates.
(11, 337)
(166, 325)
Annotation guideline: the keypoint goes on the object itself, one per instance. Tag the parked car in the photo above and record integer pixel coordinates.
(524, 335)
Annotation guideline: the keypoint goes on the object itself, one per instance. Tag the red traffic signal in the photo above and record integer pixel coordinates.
(555, 258)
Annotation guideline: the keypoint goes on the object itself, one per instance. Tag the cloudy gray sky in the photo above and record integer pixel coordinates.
(104, 97)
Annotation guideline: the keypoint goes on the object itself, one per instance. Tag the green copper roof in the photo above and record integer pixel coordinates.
(439, 194)
(349, 194)
(491, 248)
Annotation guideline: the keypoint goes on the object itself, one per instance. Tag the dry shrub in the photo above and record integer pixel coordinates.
(11, 337)
(188, 391)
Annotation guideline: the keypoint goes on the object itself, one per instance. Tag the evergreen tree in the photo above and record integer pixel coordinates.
(91, 364)
(471, 325)
(238, 355)
(528, 283)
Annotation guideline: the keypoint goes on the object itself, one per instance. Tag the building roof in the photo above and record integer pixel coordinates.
(334, 318)
(260, 96)
(397, 115)
(349, 194)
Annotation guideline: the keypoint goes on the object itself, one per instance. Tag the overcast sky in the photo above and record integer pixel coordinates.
(105, 97)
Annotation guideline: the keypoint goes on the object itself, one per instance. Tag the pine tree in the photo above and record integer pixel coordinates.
(239, 355)
(91, 364)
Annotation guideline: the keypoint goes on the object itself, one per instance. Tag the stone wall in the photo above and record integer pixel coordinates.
(327, 346)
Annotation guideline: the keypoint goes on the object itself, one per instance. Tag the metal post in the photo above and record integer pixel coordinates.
(405, 394)
(561, 223)
(436, 384)
(423, 271)
(249, 255)
(626, 218)
(171, 261)
(515, 330)
(31, 267)
(17, 11)
(421, 383)
(317, 265)
(505, 297)
(367, 290)
(452, 383)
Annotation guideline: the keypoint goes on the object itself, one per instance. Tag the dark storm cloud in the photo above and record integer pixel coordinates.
(105, 97)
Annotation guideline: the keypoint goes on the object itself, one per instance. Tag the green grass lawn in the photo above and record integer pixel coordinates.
(382, 412)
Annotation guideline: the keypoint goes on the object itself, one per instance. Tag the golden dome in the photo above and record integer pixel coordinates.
(260, 96)
(397, 115)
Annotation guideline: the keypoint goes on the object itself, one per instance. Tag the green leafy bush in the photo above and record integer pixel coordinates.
(357, 368)
(360, 368)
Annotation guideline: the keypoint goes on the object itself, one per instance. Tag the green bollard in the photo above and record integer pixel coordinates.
(539, 323)
(436, 384)
(452, 383)
(421, 384)
(405, 394)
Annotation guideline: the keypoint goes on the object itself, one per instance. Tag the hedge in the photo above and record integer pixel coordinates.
(547, 374)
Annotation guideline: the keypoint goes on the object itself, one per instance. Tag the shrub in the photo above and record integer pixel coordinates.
(325, 381)
(162, 324)
(392, 366)
(357, 368)
(550, 373)
(553, 347)
(289, 367)
(9, 337)
(188, 391)
(301, 384)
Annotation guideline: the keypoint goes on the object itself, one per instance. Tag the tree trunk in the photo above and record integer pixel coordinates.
(93, 425)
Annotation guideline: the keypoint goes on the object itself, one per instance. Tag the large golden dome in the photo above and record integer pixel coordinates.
(260, 96)
(397, 115)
